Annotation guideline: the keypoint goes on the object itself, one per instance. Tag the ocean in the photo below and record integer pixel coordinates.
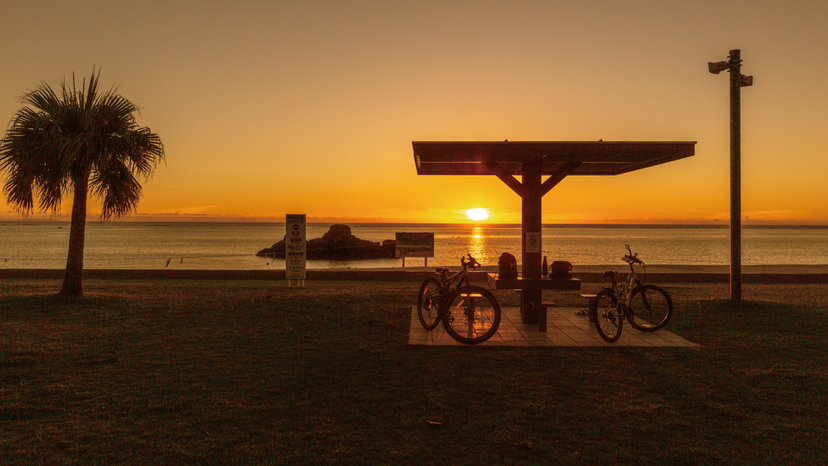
(233, 246)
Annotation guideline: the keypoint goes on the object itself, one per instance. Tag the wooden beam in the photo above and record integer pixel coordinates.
(558, 177)
(505, 177)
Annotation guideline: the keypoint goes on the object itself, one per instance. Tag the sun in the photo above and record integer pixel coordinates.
(477, 214)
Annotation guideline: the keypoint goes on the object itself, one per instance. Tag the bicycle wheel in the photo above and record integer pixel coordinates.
(428, 303)
(608, 321)
(471, 315)
(651, 308)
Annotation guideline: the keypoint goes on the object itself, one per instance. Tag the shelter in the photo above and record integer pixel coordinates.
(532, 160)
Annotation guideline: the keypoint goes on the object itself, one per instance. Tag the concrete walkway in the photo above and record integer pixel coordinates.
(564, 328)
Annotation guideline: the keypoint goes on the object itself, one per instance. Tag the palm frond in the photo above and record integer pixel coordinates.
(73, 134)
(117, 188)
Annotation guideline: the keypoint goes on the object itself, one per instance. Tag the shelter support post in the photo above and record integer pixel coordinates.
(531, 241)
(532, 192)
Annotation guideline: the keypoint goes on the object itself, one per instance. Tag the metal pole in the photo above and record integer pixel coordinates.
(735, 177)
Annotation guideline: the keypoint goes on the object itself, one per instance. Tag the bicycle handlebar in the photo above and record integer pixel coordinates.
(631, 257)
(632, 260)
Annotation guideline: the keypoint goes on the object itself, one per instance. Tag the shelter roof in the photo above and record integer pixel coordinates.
(592, 157)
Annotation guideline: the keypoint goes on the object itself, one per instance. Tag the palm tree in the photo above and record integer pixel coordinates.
(82, 141)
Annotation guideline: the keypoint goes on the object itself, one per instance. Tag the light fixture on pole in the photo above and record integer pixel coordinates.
(718, 67)
(737, 81)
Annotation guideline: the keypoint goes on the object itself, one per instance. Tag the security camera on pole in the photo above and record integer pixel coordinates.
(737, 81)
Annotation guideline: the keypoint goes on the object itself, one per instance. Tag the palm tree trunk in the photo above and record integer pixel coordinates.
(73, 278)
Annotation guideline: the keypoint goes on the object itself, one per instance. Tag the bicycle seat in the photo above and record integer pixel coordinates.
(442, 270)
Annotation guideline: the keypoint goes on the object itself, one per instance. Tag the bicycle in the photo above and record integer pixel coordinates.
(646, 307)
(469, 313)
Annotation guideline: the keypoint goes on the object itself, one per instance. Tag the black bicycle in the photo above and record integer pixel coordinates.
(646, 307)
(469, 313)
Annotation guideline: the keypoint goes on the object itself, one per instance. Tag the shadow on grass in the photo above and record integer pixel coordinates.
(719, 321)
(252, 373)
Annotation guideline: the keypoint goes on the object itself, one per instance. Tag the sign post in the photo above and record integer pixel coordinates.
(295, 249)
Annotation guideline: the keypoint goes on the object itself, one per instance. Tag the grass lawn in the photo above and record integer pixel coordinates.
(251, 372)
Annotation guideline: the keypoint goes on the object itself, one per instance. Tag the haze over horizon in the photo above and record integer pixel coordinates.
(269, 108)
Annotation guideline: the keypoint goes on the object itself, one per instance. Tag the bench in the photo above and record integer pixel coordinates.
(470, 298)
(592, 305)
(545, 303)
(542, 308)
(535, 285)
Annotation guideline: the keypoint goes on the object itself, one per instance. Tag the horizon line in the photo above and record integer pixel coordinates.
(368, 221)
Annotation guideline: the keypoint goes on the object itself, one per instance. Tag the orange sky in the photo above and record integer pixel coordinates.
(267, 108)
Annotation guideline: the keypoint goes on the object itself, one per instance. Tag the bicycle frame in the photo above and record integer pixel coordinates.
(624, 291)
(460, 278)
(470, 314)
(448, 281)
(617, 304)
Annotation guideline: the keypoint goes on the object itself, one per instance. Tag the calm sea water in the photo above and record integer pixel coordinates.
(128, 245)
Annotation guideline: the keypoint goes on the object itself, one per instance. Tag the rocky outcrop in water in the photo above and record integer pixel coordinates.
(338, 244)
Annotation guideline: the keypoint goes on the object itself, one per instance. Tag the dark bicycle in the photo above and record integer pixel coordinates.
(470, 314)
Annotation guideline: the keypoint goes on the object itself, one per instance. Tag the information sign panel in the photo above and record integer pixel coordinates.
(533, 242)
(415, 245)
(295, 247)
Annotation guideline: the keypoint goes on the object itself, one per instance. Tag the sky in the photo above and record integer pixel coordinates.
(268, 108)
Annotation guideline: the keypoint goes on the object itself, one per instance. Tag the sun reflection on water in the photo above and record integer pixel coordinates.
(477, 244)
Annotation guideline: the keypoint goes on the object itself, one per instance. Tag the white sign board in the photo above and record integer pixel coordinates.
(533, 242)
(295, 247)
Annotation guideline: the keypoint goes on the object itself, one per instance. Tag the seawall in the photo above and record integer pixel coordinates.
(588, 273)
